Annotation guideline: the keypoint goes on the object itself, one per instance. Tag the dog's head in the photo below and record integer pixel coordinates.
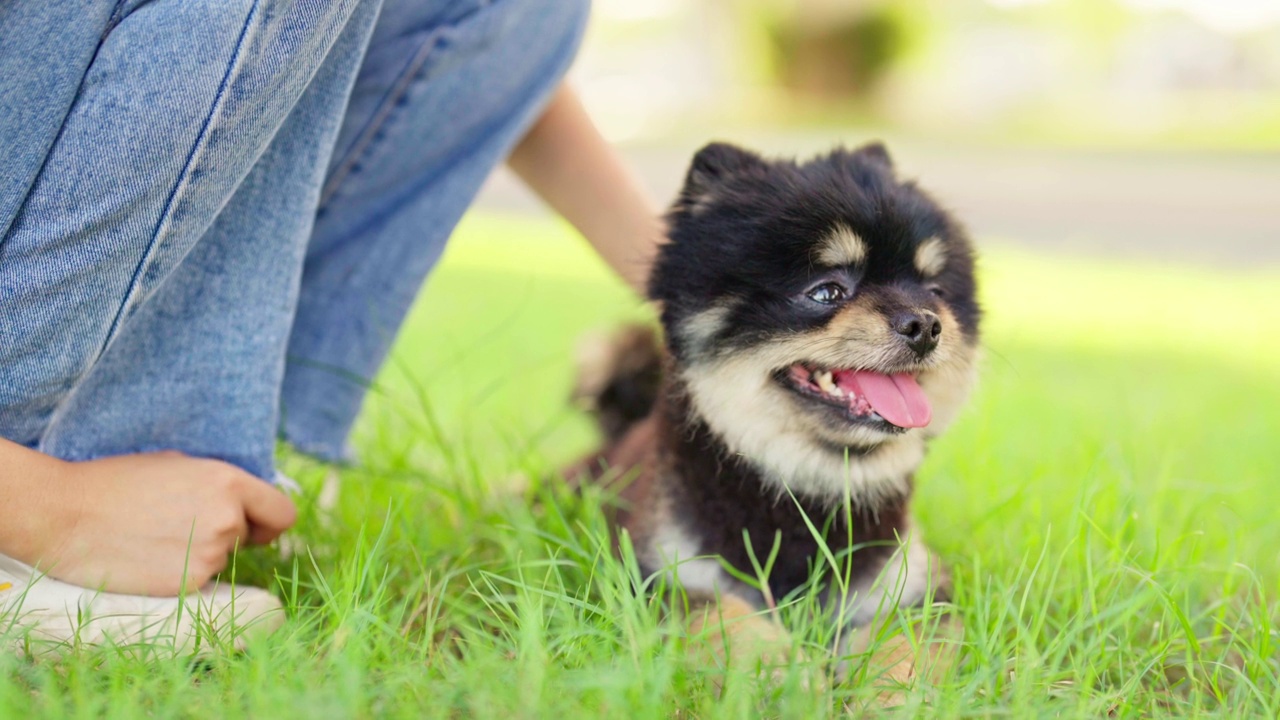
(822, 316)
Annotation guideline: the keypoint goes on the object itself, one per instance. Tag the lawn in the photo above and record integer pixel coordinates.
(1108, 505)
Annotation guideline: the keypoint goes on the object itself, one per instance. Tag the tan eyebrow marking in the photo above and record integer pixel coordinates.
(931, 256)
(842, 247)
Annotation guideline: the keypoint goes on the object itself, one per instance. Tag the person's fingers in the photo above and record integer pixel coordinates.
(243, 535)
(261, 535)
(270, 512)
(191, 587)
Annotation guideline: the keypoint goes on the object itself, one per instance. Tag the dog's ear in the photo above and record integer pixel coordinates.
(875, 152)
(713, 164)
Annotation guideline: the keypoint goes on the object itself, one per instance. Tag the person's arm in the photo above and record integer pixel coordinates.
(149, 524)
(568, 164)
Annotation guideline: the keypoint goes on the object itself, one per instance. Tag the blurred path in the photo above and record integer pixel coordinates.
(1222, 209)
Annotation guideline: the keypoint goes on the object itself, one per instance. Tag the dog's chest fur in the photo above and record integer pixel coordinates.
(688, 485)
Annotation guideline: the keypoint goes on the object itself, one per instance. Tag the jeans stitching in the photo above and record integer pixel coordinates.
(183, 182)
(364, 143)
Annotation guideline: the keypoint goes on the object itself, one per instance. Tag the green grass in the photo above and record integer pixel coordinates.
(1107, 505)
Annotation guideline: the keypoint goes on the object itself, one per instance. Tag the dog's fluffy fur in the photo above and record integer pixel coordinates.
(771, 266)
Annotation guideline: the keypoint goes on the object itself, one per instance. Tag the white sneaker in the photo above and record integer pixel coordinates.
(47, 615)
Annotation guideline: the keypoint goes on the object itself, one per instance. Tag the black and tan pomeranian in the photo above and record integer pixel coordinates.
(820, 327)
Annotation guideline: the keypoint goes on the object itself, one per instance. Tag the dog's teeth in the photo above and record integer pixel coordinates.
(827, 384)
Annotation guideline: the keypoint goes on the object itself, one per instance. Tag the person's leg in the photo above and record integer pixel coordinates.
(45, 49)
(445, 93)
(218, 326)
(148, 277)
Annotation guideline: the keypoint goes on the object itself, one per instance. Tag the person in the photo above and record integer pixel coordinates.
(213, 217)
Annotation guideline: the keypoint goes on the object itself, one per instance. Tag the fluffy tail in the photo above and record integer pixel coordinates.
(618, 377)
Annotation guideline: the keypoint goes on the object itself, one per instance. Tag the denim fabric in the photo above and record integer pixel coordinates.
(214, 214)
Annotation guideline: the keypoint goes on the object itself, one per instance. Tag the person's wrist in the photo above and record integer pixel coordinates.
(40, 507)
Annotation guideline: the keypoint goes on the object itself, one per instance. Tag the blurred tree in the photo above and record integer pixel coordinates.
(835, 50)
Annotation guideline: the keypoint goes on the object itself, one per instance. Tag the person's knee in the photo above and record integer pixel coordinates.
(548, 32)
(568, 17)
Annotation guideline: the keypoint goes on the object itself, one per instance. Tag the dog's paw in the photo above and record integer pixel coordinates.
(733, 637)
(897, 665)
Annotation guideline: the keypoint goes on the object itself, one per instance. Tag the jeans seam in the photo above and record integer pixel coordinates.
(365, 141)
(116, 16)
(183, 182)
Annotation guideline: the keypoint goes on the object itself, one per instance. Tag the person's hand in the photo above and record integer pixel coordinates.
(150, 524)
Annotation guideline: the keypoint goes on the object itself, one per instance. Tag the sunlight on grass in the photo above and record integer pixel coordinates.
(1106, 505)
(1111, 476)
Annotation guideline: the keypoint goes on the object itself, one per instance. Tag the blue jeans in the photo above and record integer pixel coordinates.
(214, 214)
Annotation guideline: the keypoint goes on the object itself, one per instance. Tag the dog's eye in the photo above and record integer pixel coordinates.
(937, 291)
(828, 293)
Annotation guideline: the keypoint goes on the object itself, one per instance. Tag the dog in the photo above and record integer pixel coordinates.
(821, 326)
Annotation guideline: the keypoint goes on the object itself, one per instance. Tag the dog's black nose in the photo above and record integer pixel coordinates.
(920, 329)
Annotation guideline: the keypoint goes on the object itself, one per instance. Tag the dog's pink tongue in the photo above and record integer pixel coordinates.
(898, 398)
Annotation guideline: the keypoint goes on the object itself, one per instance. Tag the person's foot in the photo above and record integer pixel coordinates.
(47, 615)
